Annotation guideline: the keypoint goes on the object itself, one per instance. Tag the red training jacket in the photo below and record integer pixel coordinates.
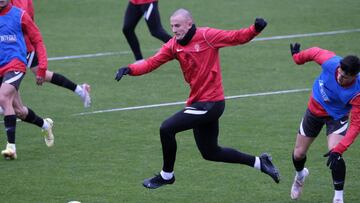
(199, 60)
(26, 5)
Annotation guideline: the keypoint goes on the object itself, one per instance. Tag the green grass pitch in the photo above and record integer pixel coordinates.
(104, 157)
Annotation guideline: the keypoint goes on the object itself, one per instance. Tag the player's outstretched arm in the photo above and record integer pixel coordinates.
(315, 54)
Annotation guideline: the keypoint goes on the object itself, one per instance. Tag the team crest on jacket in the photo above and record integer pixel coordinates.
(197, 47)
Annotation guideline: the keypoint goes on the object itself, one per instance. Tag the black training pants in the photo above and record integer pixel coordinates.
(203, 118)
(151, 14)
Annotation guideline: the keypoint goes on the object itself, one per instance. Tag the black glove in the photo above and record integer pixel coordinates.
(122, 71)
(334, 157)
(295, 48)
(260, 24)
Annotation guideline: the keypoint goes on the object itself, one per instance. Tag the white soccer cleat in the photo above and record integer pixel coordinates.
(10, 152)
(298, 185)
(85, 96)
(338, 201)
(48, 135)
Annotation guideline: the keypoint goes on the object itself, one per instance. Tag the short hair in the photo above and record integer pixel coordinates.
(350, 65)
(183, 12)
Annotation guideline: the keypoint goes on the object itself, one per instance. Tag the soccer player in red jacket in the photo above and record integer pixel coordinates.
(149, 10)
(55, 78)
(15, 24)
(335, 94)
(197, 50)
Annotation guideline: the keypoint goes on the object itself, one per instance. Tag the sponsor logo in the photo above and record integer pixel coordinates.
(8, 38)
(178, 50)
(322, 91)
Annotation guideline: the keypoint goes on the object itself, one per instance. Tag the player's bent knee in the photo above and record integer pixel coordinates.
(210, 154)
(20, 113)
(155, 33)
(166, 129)
(299, 154)
(128, 30)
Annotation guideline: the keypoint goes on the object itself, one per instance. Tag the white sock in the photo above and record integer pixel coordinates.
(300, 174)
(339, 194)
(257, 163)
(166, 175)
(46, 125)
(12, 146)
(79, 90)
(139, 61)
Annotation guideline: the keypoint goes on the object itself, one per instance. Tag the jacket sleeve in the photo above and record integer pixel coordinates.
(162, 56)
(30, 10)
(353, 130)
(313, 54)
(222, 38)
(31, 31)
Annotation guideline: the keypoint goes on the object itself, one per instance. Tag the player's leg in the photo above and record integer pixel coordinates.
(310, 127)
(132, 16)
(336, 129)
(185, 119)
(10, 84)
(206, 137)
(153, 21)
(28, 115)
(82, 90)
(178, 122)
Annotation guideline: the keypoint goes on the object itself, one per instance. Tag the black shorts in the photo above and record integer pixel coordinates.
(13, 78)
(32, 60)
(311, 125)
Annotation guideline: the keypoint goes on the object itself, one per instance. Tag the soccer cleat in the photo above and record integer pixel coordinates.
(10, 152)
(338, 201)
(298, 185)
(85, 96)
(268, 167)
(157, 181)
(48, 134)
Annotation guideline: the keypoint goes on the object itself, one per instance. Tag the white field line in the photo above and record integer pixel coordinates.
(178, 103)
(256, 39)
(307, 35)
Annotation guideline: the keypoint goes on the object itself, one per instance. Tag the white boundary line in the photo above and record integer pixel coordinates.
(256, 39)
(178, 103)
(307, 35)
